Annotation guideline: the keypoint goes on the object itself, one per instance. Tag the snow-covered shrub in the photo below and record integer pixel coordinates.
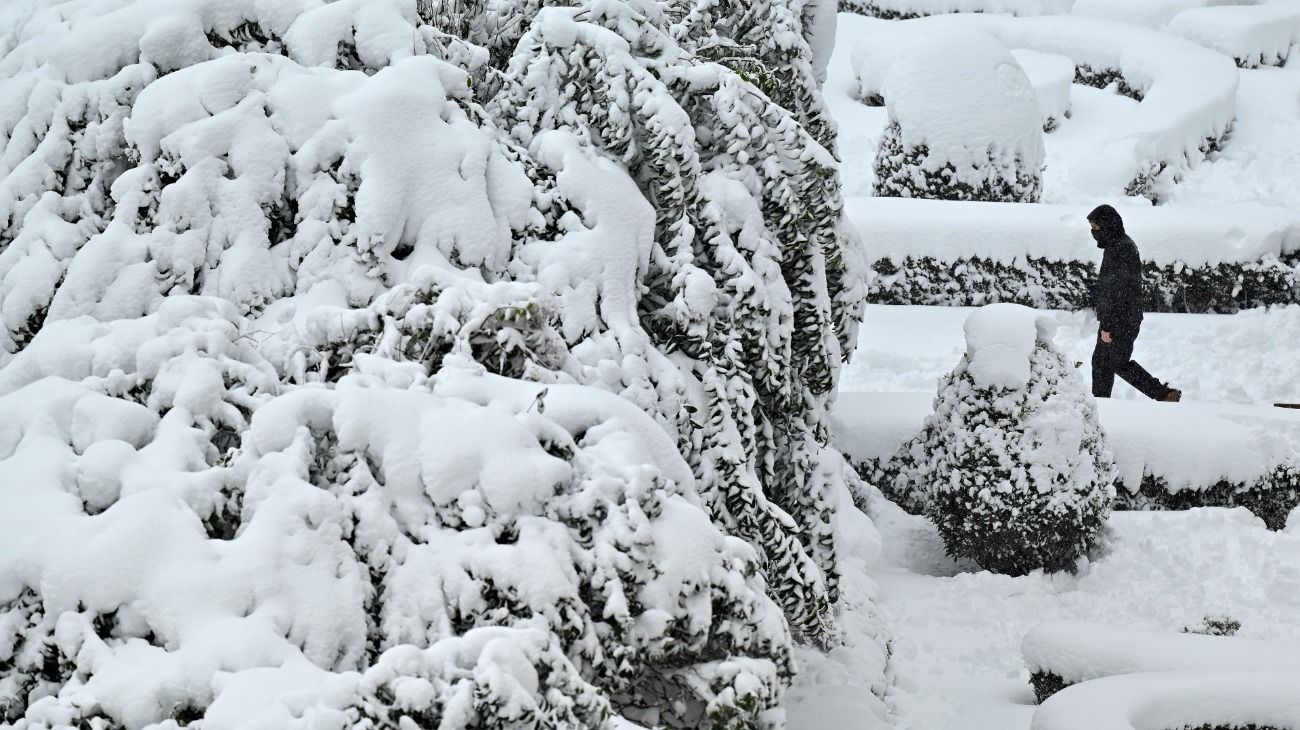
(1018, 474)
(963, 122)
(506, 334)
(1214, 626)
(737, 187)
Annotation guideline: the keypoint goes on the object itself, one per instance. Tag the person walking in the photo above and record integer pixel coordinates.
(1118, 300)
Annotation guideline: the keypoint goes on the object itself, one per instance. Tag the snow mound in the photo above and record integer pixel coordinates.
(1051, 75)
(1253, 35)
(959, 92)
(1163, 700)
(1078, 651)
(1000, 341)
(1006, 232)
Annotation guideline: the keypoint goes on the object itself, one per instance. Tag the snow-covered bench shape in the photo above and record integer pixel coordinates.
(974, 253)
(1163, 700)
(1168, 456)
(1051, 75)
(1253, 35)
(1059, 654)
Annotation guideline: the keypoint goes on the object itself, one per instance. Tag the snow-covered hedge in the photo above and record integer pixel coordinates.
(905, 9)
(1187, 93)
(1168, 457)
(1060, 654)
(1204, 700)
(963, 122)
(1253, 35)
(970, 253)
(1016, 471)
(364, 366)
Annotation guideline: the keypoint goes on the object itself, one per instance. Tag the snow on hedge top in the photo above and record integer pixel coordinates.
(960, 92)
(1078, 651)
(1000, 340)
(1254, 35)
(1163, 700)
(1005, 232)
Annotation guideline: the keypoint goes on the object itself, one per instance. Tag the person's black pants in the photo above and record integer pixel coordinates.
(1116, 358)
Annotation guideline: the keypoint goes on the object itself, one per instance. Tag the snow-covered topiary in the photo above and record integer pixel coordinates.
(1019, 475)
(386, 362)
(964, 122)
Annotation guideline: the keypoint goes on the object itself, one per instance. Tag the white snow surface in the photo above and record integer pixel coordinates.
(1051, 75)
(1005, 232)
(1078, 651)
(1162, 700)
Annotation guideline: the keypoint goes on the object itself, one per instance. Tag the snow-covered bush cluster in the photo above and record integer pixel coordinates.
(1017, 474)
(969, 254)
(964, 122)
(377, 363)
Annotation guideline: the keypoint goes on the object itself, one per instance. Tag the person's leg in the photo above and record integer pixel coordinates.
(1133, 373)
(1103, 367)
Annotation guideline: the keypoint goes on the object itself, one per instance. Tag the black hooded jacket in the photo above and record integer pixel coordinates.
(1117, 297)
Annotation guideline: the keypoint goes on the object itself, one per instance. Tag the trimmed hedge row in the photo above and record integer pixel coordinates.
(1271, 498)
(906, 172)
(1223, 288)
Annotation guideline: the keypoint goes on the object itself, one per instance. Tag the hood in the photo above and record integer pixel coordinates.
(1111, 226)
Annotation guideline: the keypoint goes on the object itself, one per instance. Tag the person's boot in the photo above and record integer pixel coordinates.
(1173, 396)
